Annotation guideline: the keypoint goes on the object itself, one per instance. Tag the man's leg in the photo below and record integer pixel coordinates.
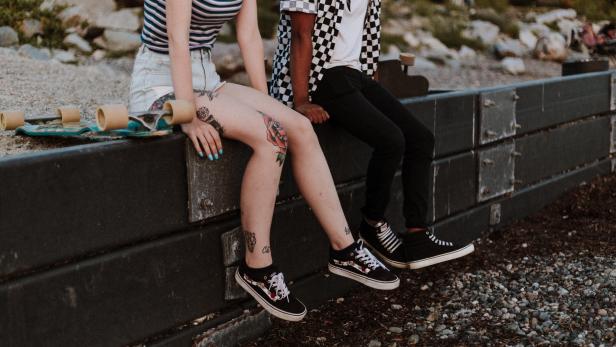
(348, 108)
(419, 148)
(422, 248)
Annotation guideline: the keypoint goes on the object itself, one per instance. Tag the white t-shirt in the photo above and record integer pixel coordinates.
(348, 43)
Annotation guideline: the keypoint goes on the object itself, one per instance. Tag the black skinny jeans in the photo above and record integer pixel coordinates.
(366, 110)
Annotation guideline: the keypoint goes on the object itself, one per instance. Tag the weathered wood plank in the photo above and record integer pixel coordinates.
(548, 153)
(70, 202)
(454, 185)
(552, 102)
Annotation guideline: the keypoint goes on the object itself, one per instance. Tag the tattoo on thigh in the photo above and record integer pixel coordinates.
(204, 114)
(277, 136)
(266, 249)
(211, 94)
(347, 230)
(251, 240)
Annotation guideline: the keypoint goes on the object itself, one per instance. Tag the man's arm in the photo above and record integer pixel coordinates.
(301, 57)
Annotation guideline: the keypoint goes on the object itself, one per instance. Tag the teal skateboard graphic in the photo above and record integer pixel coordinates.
(112, 121)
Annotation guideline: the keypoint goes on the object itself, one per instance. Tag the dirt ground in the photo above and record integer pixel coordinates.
(549, 279)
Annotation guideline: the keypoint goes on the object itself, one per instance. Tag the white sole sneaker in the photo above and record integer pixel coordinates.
(367, 281)
(459, 253)
(390, 262)
(266, 305)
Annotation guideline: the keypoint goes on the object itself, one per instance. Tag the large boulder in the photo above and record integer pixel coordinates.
(514, 66)
(527, 38)
(121, 41)
(31, 27)
(74, 40)
(551, 47)
(485, 32)
(123, 20)
(31, 52)
(8, 36)
(73, 16)
(555, 16)
(91, 9)
(508, 47)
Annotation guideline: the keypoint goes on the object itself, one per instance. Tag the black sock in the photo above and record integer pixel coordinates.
(345, 251)
(258, 273)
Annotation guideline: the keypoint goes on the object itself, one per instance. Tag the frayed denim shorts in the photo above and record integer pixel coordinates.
(151, 82)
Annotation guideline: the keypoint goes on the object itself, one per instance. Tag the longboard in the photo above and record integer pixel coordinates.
(112, 121)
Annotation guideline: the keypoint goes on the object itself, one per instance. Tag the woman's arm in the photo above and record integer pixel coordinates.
(178, 26)
(251, 45)
(204, 137)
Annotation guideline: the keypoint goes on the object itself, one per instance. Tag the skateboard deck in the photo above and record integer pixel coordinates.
(112, 121)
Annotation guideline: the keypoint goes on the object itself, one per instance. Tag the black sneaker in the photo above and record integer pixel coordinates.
(384, 243)
(424, 249)
(357, 263)
(271, 292)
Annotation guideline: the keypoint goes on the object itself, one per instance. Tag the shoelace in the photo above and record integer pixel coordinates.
(438, 241)
(388, 238)
(277, 282)
(364, 256)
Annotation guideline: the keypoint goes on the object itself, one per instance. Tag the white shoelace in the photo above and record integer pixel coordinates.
(277, 282)
(364, 256)
(388, 238)
(438, 241)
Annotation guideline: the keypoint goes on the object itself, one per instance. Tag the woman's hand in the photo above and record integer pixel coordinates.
(314, 112)
(205, 138)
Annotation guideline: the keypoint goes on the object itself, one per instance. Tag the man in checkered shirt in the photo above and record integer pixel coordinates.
(324, 68)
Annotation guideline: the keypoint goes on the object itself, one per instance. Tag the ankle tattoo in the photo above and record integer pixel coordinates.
(251, 240)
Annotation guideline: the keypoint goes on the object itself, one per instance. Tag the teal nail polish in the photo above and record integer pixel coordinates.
(216, 156)
(209, 156)
(200, 155)
(220, 151)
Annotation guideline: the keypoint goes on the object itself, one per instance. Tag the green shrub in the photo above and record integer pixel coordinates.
(449, 32)
(596, 9)
(498, 5)
(13, 12)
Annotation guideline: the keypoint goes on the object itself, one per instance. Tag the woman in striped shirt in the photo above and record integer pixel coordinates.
(175, 62)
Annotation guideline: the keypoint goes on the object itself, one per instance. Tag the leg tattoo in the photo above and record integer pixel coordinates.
(347, 231)
(276, 136)
(266, 249)
(204, 114)
(251, 240)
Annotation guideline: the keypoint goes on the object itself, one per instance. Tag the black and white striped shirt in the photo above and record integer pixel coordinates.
(208, 16)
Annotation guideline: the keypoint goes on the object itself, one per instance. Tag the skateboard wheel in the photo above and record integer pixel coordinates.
(11, 120)
(69, 115)
(181, 111)
(407, 59)
(110, 117)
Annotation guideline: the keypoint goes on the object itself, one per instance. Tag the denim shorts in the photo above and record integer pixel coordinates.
(151, 79)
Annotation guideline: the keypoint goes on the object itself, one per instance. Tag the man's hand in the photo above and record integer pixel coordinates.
(314, 112)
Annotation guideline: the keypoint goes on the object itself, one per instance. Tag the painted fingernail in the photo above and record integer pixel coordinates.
(220, 151)
(215, 156)
(209, 156)
(200, 155)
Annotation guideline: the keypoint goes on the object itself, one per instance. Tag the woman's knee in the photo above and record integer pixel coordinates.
(301, 132)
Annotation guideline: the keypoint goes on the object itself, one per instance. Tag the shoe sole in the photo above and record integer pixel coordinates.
(266, 305)
(441, 258)
(390, 262)
(372, 283)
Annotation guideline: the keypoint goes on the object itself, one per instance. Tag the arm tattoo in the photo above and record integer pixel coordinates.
(347, 230)
(266, 249)
(251, 240)
(277, 136)
(204, 114)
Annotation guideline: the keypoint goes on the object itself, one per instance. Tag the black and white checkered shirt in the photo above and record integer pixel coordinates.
(328, 18)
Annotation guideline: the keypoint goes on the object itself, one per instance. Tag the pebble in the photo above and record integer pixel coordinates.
(602, 312)
(8, 36)
(414, 339)
(396, 307)
(395, 330)
(374, 343)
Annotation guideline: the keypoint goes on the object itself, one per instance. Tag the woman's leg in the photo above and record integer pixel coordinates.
(260, 183)
(310, 168)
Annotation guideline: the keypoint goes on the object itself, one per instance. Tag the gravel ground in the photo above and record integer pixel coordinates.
(547, 280)
(39, 87)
